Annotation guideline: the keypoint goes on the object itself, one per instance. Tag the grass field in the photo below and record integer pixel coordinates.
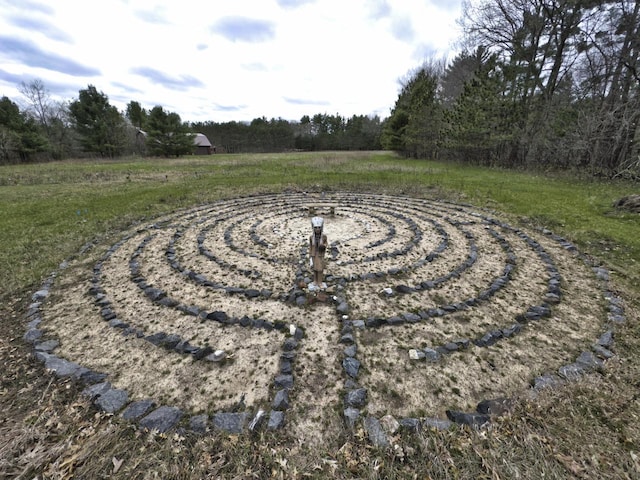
(587, 429)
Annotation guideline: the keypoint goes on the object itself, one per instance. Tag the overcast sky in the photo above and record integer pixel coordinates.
(225, 60)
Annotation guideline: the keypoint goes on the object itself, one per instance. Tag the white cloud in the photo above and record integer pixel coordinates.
(223, 61)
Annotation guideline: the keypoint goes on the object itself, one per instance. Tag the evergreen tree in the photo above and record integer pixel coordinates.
(167, 135)
(101, 126)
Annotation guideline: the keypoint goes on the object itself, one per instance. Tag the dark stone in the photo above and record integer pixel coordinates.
(218, 316)
(347, 339)
(572, 371)
(436, 423)
(351, 350)
(356, 398)
(602, 352)
(590, 361)
(202, 353)
(343, 308)
(471, 419)
(451, 347)
(112, 400)
(431, 354)
(252, 293)
(395, 320)
(606, 339)
(32, 335)
(286, 366)
(276, 420)
(230, 422)
(161, 419)
(61, 367)
(290, 344)
(412, 424)
(90, 377)
(376, 434)
(96, 390)
(137, 409)
(546, 381)
(404, 289)
(47, 346)
(284, 381)
(281, 400)
(351, 366)
(411, 317)
(154, 294)
(156, 338)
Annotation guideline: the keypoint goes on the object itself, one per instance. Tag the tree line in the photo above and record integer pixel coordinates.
(542, 84)
(91, 126)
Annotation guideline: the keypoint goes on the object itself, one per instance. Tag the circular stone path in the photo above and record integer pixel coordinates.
(434, 312)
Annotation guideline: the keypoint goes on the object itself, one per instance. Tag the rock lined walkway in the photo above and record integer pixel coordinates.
(407, 250)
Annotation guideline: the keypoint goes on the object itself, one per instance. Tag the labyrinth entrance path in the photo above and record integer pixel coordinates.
(430, 306)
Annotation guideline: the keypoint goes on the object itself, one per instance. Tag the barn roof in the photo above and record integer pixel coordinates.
(201, 140)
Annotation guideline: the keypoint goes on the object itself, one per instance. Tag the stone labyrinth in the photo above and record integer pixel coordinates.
(434, 313)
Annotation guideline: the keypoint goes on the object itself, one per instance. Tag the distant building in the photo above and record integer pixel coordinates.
(201, 144)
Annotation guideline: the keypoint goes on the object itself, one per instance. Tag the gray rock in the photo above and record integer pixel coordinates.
(112, 400)
(276, 420)
(347, 339)
(47, 346)
(89, 377)
(376, 434)
(281, 400)
(572, 371)
(230, 422)
(356, 398)
(290, 344)
(137, 409)
(431, 355)
(411, 317)
(351, 366)
(472, 419)
(162, 419)
(96, 390)
(32, 335)
(590, 361)
(437, 423)
(602, 352)
(606, 339)
(351, 350)
(343, 308)
(61, 367)
(284, 381)
(412, 424)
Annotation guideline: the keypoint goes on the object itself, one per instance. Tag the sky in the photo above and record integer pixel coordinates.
(226, 60)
